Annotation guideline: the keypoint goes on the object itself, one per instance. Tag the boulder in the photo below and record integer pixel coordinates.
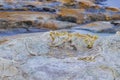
(114, 9)
(59, 56)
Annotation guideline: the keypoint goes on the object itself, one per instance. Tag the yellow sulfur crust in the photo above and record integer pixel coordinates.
(88, 39)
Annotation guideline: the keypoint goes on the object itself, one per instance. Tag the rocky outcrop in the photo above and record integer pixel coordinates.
(60, 55)
(52, 14)
(21, 19)
(35, 46)
(81, 16)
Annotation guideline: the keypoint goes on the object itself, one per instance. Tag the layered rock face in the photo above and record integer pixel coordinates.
(52, 14)
(10, 20)
(60, 55)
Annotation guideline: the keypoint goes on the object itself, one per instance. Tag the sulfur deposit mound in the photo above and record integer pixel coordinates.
(59, 56)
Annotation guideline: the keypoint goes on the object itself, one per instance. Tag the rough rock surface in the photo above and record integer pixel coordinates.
(59, 56)
(21, 19)
(52, 14)
(100, 26)
(81, 16)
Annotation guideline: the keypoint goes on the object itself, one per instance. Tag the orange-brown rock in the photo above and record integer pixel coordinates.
(87, 4)
(19, 19)
(68, 2)
(79, 13)
(23, 19)
(54, 24)
(96, 17)
(115, 17)
(72, 15)
(25, 15)
(112, 9)
(70, 12)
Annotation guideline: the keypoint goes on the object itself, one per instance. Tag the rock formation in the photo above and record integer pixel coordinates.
(60, 55)
(57, 52)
